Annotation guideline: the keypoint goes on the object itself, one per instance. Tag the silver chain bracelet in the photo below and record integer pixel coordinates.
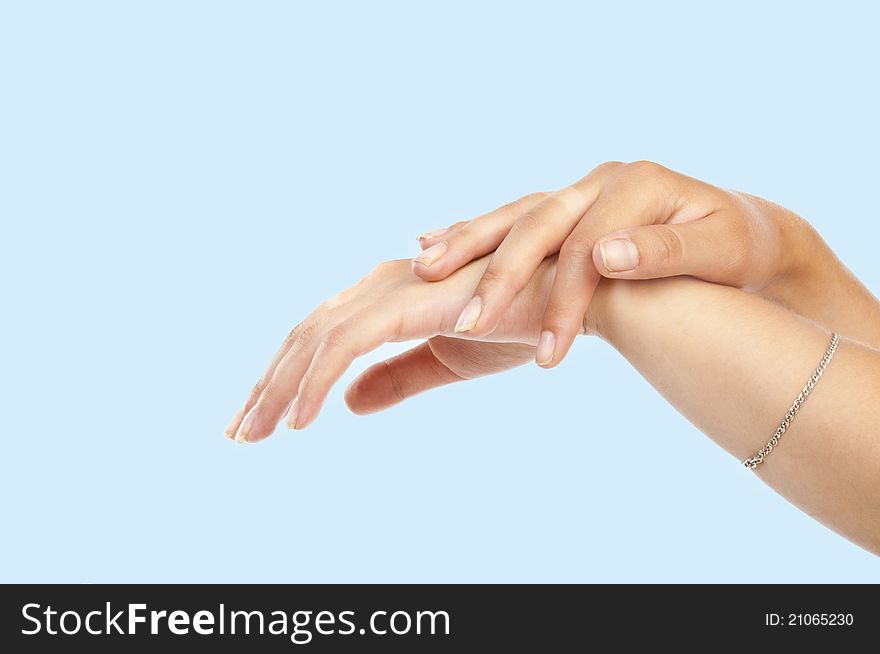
(795, 406)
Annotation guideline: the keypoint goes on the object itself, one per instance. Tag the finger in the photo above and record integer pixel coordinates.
(712, 248)
(391, 381)
(539, 232)
(428, 239)
(337, 308)
(447, 252)
(573, 286)
(360, 334)
(233, 427)
(305, 327)
(439, 361)
(641, 196)
(277, 393)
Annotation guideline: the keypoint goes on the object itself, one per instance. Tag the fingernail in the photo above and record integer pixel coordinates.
(469, 315)
(546, 346)
(291, 414)
(235, 419)
(246, 425)
(431, 255)
(619, 254)
(427, 236)
(304, 413)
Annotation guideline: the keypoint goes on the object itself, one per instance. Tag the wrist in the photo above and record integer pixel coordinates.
(805, 262)
(598, 319)
(621, 309)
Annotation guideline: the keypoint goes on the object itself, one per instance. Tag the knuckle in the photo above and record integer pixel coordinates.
(292, 335)
(599, 174)
(271, 388)
(274, 388)
(256, 391)
(645, 169)
(533, 219)
(494, 277)
(306, 335)
(335, 339)
(607, 166)
(668, 247)
(576, 249)
(571, 198)
(498, 284)
(560, 318)
(536, 218)
(305, 384)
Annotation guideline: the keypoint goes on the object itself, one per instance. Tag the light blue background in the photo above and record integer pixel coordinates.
(181, 182)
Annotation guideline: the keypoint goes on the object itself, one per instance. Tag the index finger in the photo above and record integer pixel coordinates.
(640, 195)
(448, 251)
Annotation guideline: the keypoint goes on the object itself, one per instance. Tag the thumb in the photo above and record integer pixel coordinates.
(706, 248)
(391, 381)
(436, 362)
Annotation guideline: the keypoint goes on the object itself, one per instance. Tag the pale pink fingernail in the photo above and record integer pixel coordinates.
(427, 236)
(431, 255)
(546, 347)
(469, 315)
(619, 254)
(292, 413)
(235, 419)
(305, 413)
(247, 424)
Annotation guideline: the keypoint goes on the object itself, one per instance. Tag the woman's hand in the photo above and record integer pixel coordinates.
(625, 221)
(390, 304)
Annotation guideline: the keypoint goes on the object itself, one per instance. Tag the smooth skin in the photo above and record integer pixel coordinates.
(389, 304)
(730, 361)
(644, 221)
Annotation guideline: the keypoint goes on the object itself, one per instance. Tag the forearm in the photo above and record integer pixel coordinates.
(732, 363)
(816, 284)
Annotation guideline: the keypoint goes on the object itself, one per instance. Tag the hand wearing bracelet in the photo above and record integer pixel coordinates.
(725, 358)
